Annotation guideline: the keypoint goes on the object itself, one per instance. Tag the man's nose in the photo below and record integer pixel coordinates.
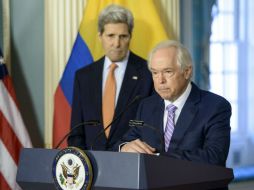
(117, 41)
(161, 77)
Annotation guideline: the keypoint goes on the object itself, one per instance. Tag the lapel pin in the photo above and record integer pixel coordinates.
(134, 77)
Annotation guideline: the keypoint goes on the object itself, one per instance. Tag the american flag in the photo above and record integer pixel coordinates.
(13, 133)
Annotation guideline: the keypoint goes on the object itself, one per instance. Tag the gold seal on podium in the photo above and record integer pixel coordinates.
(72, 170)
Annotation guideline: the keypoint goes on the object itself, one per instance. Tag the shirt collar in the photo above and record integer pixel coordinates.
(121, 64)
(179, 102)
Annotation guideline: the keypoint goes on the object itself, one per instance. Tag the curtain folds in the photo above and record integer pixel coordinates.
(62, 18)
(5, 14)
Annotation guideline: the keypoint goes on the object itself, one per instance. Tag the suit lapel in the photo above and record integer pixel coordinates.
(98, 85)
(186, 116)
(130, 80)
(158, 116)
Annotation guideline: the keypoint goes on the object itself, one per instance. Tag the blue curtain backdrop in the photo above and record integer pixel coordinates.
(196, 22)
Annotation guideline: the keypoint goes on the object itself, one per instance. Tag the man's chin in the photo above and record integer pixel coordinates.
(117, 58)
(164, 96)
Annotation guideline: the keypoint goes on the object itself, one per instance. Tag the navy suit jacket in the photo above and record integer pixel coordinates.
(87, 102)
(202, 131)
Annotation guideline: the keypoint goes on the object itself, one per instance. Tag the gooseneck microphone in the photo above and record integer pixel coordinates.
(90, 122)
(115, 119)
(139, 123)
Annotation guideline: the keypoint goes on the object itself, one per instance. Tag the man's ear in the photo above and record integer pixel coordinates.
(99, 36)
(188, 72)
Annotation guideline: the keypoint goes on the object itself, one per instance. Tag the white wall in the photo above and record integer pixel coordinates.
(27, 62)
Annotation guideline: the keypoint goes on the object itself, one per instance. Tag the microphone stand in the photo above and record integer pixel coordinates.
(90, 122)
(114, 120)
(138, 123)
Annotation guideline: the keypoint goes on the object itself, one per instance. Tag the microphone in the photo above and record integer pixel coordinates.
(90, 122)
(115, 119)
(139, 123)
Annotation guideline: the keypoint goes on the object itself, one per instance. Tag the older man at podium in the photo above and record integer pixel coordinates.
(194, 124)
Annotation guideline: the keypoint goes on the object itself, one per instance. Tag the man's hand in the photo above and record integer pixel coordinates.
(138, 146)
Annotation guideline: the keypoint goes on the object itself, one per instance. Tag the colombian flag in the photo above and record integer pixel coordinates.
(147, 32)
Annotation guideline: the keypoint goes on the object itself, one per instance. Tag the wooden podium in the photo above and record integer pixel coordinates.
(114, 170)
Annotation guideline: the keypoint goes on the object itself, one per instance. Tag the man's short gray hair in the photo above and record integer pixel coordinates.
(115, 14)
(184, 59)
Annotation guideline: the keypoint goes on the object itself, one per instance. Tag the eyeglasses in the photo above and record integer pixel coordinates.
(164, 73)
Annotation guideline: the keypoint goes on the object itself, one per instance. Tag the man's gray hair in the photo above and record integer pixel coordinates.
(115, 14)
(184, 59)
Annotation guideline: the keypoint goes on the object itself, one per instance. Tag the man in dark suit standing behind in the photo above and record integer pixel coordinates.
(106, 87)
(194, 124)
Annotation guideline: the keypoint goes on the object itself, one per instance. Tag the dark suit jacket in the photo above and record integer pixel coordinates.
(87, 102)
(202, 131)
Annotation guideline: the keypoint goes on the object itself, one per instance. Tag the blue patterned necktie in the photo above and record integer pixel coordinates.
(169, 125)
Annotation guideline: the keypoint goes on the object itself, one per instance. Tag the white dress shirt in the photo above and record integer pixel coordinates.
(179, 103)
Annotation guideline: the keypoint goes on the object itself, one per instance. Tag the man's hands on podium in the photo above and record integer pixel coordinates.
(137, 146)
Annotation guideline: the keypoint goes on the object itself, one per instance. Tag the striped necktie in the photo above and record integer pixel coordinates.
(169, 125)
(108, 102)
